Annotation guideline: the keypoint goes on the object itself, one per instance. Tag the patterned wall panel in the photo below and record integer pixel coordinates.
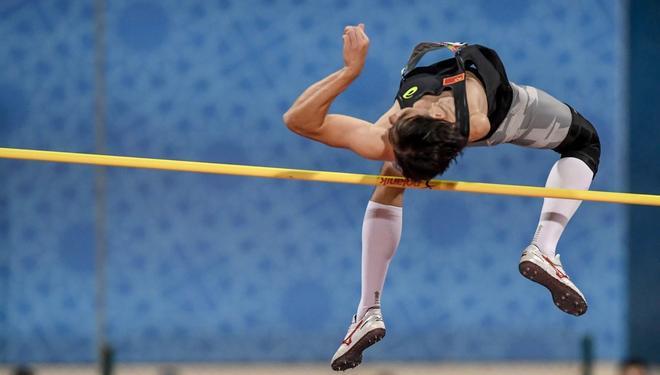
(227, 268)
(46, 86)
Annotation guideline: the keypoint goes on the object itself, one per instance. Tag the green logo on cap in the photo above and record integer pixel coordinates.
(411, 91)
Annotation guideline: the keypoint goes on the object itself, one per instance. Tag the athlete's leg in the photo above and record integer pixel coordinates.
(381, 232)
(567, 173)
(580, 152)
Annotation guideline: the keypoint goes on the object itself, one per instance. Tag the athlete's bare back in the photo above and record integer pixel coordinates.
(442, 107)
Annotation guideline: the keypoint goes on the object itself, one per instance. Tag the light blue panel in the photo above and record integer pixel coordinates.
(46, 230)
(205, 266)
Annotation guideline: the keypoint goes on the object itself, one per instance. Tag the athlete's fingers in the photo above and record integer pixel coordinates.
(362, 35)
(349, 41)
(353, 35)
(361, 26)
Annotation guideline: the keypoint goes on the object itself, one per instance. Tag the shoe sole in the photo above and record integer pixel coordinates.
(353, 357)
(565, 298)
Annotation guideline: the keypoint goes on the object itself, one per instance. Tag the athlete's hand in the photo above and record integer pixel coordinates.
(356, 45)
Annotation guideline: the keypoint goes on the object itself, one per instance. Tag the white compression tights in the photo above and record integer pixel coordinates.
(567, 173)
(381, 232)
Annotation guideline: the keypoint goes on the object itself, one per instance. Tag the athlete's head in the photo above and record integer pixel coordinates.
(424, 146)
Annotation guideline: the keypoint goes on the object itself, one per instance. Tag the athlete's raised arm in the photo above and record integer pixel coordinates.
(308, 116)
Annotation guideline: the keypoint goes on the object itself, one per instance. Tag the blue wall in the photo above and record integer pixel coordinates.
(205, 267)
(46, 88)
(644, 242)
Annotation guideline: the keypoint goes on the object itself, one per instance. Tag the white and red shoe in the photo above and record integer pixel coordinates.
(361, 334)
(539, 268)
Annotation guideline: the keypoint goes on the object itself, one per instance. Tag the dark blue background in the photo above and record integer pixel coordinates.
(229, 268)
(644, 241)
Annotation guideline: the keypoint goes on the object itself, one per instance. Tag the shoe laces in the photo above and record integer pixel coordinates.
(557, 262)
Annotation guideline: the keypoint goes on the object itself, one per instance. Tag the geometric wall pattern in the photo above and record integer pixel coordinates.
(219, 268)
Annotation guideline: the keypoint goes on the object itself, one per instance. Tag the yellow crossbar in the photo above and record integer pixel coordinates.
(322, 176)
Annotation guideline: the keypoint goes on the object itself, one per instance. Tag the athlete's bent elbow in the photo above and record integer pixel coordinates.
(288, 121)
(298, 126)
(291, 123)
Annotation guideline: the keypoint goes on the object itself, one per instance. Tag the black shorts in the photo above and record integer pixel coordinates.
(581, 142)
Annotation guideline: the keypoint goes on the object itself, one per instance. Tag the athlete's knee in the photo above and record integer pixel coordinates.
(388, 169)
(582, 142)
(386, 194)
